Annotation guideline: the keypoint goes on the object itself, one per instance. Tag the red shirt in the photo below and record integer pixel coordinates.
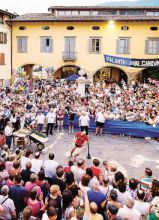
(96, 171)
(80, 139)
(67, 169)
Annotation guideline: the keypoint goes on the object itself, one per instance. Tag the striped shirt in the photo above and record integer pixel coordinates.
(146, 183)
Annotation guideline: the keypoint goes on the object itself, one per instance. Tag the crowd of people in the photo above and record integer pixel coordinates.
(44, 104)
(31, 188)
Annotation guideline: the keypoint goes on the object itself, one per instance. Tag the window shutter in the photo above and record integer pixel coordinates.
(24, 44)
(43, 45)
(100, 45)
(117, 46)
(90, 46)
(51, 45)
(128, 46)
(5, 38)
(2, 59)
(19, 44)
(146, 46)
(157, 47)
(1, 37)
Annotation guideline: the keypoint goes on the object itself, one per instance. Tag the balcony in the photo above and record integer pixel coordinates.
(69, 56)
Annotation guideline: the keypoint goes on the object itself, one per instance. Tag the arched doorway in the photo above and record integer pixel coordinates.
(110, 74)
(35, 71)
(66, 71)
(145, 74)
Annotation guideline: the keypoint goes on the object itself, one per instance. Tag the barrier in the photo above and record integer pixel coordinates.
(136, 129)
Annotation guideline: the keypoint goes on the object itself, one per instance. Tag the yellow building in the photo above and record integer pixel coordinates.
(111, 43)
(5, 48)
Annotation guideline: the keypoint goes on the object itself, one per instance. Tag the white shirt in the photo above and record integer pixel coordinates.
(51, 117)
(123, 196)
(78, 172)
(129, 214)
(40, 119)
(105, 190)
(8, 207)
(100, 117)
(84, 120)
(8, 131)
(36, 165)
(50, 167)
(142, 207)
(24, 160)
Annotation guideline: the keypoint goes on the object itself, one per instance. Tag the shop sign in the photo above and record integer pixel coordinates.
(130, 62)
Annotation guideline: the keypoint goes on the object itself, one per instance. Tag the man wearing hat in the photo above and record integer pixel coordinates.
(8, 131)
(6, 205)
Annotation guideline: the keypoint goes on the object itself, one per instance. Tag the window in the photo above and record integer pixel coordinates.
(2, 59)
(153, 28)
(70, 28)
(152, 13)
(131, 12)
(124, 28)
(68, 13)
(109, 12)
(95, 45)
(61, 13)
(84, 13)
(22, 44)
(46, 45)
(152, 46)
(123, 46)
(3, 38)
(95, 28)
(1, 19)
(22, 28)
(45, 28)
(75, 13)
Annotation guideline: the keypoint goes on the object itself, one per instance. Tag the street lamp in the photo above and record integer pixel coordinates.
(88, 152)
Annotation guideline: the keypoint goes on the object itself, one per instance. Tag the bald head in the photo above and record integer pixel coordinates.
(28, 165)
(93, 207)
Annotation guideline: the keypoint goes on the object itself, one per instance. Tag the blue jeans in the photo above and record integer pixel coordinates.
(9, 141)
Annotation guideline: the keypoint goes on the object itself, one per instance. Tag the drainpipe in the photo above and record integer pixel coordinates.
(11, 50)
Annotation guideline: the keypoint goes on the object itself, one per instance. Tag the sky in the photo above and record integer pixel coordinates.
(26, 6)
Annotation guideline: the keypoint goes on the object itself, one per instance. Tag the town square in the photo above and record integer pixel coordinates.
(79, 110)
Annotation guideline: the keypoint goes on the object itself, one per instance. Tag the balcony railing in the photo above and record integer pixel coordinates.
(69, 56)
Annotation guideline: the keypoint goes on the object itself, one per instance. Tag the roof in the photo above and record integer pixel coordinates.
(100, 7)
(6, 13)
(149, 3)
(49, 17)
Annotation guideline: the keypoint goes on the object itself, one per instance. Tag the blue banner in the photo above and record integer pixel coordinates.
(138, 63)
(134, 129)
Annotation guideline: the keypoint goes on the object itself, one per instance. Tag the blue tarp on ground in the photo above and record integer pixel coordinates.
(136, 129)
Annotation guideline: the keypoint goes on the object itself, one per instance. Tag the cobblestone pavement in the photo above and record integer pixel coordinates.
(132, 154)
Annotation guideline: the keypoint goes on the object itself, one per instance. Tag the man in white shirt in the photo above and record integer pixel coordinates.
(128, 211)
(78, 170)
(51, 120)
(25, 159)
(40, 120)
(36, 163)
(8, 131)
(84, 122)
(140, 205)
(100, 120)
(7, 204)
(50, 166)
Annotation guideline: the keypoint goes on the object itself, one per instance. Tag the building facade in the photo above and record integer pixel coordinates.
(108, 43)
(5, 48)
